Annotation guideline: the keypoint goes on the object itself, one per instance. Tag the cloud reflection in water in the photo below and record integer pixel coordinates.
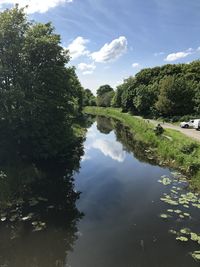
(110, 148)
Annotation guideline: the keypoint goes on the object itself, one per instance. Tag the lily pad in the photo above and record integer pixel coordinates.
(185, 231)
(196, 255)
(38, 226)
(164, 216)
(170, 210)
(178, 211)
(165, 181)
(171, 231)
(169, 201)
(194, 236)
(182, 238)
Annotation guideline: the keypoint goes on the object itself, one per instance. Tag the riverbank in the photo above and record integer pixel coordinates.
(173, 148)
(190, 132)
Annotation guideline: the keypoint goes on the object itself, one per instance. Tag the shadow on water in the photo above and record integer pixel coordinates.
(38, 209)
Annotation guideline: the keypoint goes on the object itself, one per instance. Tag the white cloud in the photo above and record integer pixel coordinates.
(86, 68)
(159, 54)
(85, 157)
(77, 47)
(111, 51)
(34, 6)
(178, 55)
(135, 65)
(87, 72)
(190, 50)
(91, 132)
(109, 148)
(119, 82)
(198, 49)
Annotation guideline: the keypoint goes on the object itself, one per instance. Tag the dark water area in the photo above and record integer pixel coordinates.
(113, 222)
(38, 223)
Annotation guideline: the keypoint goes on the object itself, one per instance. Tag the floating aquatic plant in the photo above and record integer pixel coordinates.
(185, 231)
(172, 231)
(174, 192)
(165, 180)
(28, 217)
(169, 200)
(170, 210)
(182, 238)
(196, 205)
(194, 236)
(177, 197)
(38, 226)
(2, 175)
(178, 211)
(196, 255)
(164, 216)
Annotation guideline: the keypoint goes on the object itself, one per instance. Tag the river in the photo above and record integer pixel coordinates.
(115, 222)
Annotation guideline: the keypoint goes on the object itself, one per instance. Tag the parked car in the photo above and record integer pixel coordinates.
(188, 124)
(196, 124)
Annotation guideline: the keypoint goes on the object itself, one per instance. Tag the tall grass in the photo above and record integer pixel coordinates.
(172, 148)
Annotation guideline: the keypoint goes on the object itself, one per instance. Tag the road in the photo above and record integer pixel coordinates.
(188, 132)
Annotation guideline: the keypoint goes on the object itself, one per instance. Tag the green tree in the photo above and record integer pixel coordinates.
(197, 97)
(117, 99)
(104, 89)
(191, 71)
(176, 96)
(13, 26)
(145, 98)
(88, 98)
(75, 92)
(129, 92)
(39, 96)
(105, 94)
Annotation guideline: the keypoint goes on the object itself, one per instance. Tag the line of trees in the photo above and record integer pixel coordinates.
(40, 97)
(167, 91)
(170, 90)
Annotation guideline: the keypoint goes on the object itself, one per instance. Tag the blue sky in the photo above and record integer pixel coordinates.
(110, 40)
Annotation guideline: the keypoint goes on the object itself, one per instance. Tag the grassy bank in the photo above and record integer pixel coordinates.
(172, 148)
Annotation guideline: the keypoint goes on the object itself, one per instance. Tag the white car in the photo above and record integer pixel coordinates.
(188, 124)
(196, 124)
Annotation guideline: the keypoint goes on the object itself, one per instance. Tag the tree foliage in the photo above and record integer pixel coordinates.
(169, 90)
(88, 98)
(176, 96)
(105, 94)
(39, 96)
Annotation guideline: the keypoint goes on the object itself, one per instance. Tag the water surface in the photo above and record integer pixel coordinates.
(121, 202)
(113, 223)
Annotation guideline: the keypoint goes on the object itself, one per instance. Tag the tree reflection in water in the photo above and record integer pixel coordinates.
(38, 210)
(128, 139)
(104, 125)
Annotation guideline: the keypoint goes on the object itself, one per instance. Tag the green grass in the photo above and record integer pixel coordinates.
(172, 148)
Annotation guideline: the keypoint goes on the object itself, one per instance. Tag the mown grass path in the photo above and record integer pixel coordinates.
(192, 133)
